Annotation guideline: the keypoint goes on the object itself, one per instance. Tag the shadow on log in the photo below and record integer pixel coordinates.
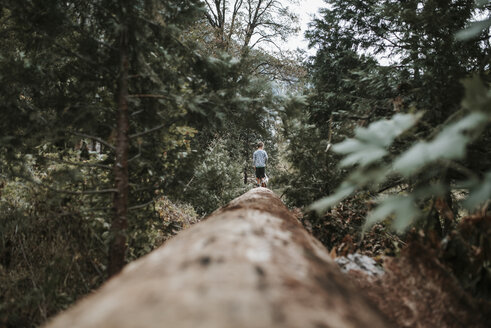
(249, 264)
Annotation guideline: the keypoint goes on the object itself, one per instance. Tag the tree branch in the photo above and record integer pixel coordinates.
(148, 96)
(158, 127)
(79, 56)
(329, 144)
(134, 157)
(459, 168)
(107, 167)
(390, 185)
(144, 189)
(141, 206)
(213, 20)
(83, 135)
(69, 192)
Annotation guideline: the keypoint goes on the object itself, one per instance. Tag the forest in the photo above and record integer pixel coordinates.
(126, 123)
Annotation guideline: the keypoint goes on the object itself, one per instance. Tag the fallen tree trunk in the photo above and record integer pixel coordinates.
(250, 264)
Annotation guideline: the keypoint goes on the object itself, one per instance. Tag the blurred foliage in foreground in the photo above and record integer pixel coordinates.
(424, 159)
(410, 136)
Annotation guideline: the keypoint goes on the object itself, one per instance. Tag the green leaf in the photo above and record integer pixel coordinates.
(477, 95)
(480, 193)
(365, 156)
(369, 143)
(480, 3)
(473, 30)
(345, 190)
(449, 144)
(403, 209)
(384, 132)
(348, 146)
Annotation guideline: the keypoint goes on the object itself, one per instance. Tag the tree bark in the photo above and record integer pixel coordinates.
(117, 247)
(250, 264)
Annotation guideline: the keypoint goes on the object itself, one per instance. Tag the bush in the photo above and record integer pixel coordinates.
(53, 246)
(217, 180)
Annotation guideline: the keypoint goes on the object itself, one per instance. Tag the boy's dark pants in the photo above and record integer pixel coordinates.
(260, 172)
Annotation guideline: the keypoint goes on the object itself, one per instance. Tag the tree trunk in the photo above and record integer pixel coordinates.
(250, 264)
(117, 248)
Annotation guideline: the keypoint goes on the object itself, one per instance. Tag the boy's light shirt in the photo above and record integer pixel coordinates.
(260, 158)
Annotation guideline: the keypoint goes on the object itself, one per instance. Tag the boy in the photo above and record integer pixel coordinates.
(259, 159)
